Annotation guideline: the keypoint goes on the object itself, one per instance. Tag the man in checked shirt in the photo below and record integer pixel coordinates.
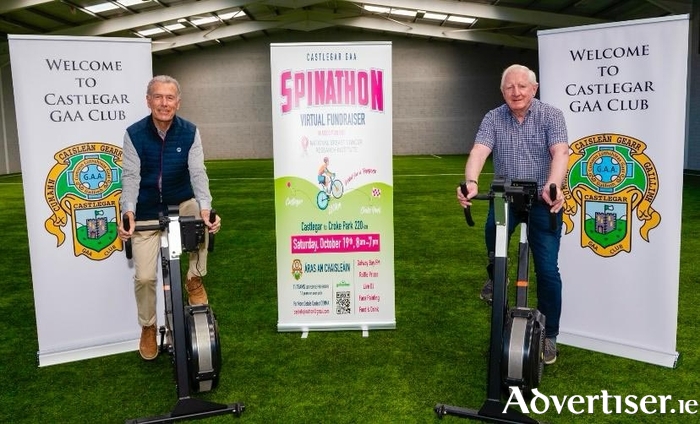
(528, 139)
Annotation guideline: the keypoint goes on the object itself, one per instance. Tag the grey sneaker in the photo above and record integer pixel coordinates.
(487, 291)
(550, 351)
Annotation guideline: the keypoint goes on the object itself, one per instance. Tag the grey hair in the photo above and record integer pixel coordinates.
(530, 73)
(163, 79)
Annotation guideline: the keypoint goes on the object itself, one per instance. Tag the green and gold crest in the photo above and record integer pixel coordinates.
(611, 181)
(84, 187)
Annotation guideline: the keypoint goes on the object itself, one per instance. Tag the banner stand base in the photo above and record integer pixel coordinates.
(54, 358)
(653, 356)
(306, 328)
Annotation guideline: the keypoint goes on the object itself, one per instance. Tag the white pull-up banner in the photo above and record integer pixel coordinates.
(622, 87)
(332, 139)
(74, 98)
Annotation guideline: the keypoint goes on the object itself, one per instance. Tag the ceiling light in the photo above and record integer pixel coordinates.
(149, 32)
(404, 12)
(106, 6)
(204, 21)
(174, 27)
(376, 9)
(435, 16)
(461, 19)
(102, 7)
(128, 3)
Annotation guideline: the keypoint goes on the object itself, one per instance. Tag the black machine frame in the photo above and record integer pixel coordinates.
(517, 334)
(181, 234)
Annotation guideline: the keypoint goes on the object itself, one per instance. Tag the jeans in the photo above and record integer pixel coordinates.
(544, 245)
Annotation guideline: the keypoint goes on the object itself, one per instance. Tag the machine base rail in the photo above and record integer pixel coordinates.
(192, 409)
(491, 411)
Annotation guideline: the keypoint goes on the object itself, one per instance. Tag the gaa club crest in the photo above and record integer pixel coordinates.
(611, 183)
(83, 188)
(297, 269)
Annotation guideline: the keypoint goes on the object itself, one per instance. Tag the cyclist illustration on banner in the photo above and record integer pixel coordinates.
(329, 185)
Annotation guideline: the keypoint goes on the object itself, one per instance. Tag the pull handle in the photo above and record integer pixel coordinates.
(552, 215)
(127, 244)
(467, 210)
(212, 219)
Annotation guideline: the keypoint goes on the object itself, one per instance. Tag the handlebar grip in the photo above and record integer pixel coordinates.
(212, 219)
(467, 210)
(127, 244)
(552, 216)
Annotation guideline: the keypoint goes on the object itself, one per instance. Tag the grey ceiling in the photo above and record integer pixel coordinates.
(512, 23)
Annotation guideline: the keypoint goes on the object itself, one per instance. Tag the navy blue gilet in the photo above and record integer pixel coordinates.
(164, 160)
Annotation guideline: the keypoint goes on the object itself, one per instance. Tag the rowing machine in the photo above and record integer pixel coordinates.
(197, 360)
(516, 354)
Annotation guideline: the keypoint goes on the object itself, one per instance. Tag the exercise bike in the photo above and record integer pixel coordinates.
(190, 333)
(516, 353)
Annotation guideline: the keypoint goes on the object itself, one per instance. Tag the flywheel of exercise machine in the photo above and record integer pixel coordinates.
(203, 348)
(523, 349)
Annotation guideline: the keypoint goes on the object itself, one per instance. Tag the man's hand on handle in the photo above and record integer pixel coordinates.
(126, 229)
(553, 196)
(213, 227)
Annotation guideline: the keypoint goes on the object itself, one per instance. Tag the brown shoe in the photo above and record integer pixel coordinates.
(148, 347)
(195, 291)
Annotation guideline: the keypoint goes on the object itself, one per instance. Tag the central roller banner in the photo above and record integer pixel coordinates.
(332, 139)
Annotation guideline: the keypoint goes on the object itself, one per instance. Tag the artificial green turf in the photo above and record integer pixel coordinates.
(436, 354)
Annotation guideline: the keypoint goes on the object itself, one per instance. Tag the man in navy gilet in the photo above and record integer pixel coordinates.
(163, 164)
